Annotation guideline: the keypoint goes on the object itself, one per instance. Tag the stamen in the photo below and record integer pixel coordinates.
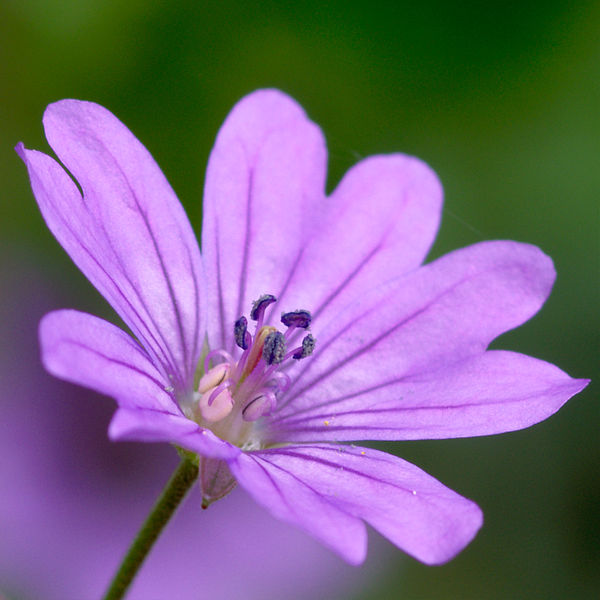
(296, 318)
(254, 354)
(274, 348)
(216, 404)
(211, 379)
(308, 346)
(217, 391)
(214, 354)
(240, 333)
(244, 388)
(279, 381)
(260, 305)
(259, 406)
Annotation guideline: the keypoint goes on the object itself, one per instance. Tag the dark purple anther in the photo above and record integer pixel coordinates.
(308, 345)
(296, 318)
(240, 330)
(274, 348)
(260, 305)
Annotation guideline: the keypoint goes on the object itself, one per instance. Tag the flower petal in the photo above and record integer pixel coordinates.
(128, 233)
(378, 224)
(89, 351)
(268, 227)
(290, 497)
(427, 321)
(152, 426)
(264, 189)
(412, 509)
(486, 394)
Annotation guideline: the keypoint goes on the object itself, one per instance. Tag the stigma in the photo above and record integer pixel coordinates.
(234, 393)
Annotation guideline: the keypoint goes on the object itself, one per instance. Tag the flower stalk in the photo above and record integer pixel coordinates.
(181, 481)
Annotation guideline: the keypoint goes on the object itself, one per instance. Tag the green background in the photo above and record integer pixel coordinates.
(501, 99)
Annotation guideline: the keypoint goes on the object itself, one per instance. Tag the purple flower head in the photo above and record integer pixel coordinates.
(348, 336)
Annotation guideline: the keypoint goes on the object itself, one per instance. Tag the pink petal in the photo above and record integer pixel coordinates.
(264, 191)
(290, 498)
(128, 234)
(483, 395)
(152, 426)
(412, 509)
(378, 224)
(425, 322)
(89, 351)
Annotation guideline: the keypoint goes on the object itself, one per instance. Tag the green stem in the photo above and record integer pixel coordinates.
(174, 492)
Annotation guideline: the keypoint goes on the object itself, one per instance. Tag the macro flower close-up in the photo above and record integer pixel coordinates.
(308, 324)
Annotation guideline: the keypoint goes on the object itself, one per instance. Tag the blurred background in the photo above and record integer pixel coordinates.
(501, 99)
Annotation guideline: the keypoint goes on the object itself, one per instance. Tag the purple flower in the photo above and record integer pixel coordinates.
(307, 322)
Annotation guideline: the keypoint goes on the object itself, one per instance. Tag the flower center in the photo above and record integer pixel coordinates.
(235, 393)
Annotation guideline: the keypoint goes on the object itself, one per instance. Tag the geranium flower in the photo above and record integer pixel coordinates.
(309, 321)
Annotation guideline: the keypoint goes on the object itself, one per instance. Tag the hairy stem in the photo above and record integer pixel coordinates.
(170, 498)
